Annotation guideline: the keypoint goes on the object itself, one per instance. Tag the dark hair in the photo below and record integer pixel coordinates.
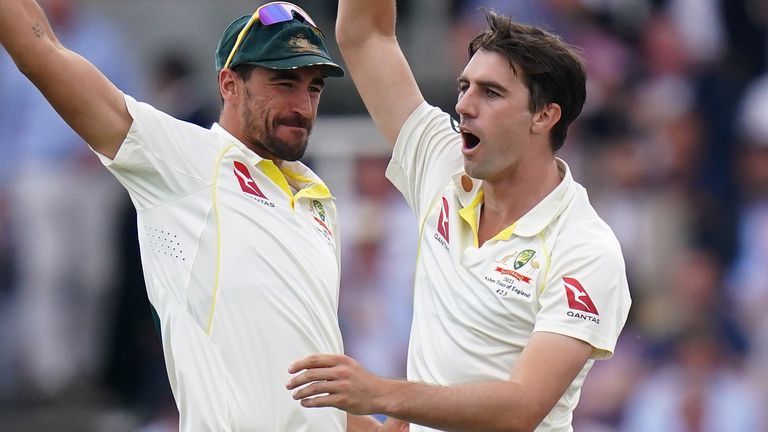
(551, 69)
(244, 71)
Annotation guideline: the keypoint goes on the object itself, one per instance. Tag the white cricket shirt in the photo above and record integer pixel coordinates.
(242, 271)
(558, 269)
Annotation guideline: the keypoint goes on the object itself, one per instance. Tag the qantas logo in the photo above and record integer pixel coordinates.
(442, 222)
(246, 181)
(578, 299)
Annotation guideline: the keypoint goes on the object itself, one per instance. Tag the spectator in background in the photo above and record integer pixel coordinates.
(696, 297)
(748, 279)
(63, 208)
(173, 89)
(746, 26)
(378, 251)
(8, 117)
(696, 391)
(651, 223)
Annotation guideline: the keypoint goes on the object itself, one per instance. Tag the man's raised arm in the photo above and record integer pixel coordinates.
(365, 31)
(82, 96)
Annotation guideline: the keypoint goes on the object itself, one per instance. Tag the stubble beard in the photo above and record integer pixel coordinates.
(265, 137)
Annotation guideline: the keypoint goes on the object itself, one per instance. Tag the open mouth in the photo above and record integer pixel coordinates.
(470, 140)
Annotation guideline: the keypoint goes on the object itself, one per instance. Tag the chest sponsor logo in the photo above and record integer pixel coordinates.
(248, 185)
(518, 281)
(442, 225)
(579, 301)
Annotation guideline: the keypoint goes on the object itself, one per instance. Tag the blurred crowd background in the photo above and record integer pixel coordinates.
(672, 146)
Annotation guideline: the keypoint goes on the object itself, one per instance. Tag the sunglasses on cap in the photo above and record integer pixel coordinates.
(268, 14)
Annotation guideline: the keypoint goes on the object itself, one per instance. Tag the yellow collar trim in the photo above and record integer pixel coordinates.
(506, 233)
(469, 214)
(316, 189)
(296, 176)
(273, 172)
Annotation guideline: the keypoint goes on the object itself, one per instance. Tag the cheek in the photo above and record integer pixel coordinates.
(259, 107)
(518, 120)
(260, 98)
(508, 123)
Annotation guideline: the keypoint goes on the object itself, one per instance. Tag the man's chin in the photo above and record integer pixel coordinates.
(470, 169)
(293, 133)
(291, 154)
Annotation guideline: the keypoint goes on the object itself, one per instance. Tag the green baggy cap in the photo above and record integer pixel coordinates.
(285, 45)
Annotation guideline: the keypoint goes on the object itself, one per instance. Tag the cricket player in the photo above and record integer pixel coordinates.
(239, 241)
(519, 285)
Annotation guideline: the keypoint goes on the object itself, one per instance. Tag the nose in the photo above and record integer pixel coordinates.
(464, 105)
(303, 103)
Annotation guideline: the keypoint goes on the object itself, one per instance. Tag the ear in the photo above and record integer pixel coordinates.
(229, 84)
(545, 119)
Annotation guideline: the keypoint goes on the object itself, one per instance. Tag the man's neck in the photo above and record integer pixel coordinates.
(507, 200)
(230, 125)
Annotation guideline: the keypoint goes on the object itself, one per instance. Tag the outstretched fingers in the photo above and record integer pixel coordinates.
(315, 389)
(312, 375)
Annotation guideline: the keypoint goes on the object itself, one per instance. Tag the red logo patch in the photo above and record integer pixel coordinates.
(247, 184)
(577, 297)
(442, 222)
(514, 274)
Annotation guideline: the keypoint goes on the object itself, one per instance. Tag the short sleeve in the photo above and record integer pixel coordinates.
(586, 295)
(162, 158)
(426, 155)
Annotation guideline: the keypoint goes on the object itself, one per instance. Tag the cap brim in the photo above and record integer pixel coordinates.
(330, 69)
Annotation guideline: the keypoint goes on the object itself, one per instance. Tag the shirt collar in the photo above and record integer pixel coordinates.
(542, 215)
(469, 192)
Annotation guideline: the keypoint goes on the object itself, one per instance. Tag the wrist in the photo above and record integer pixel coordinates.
(390, 397)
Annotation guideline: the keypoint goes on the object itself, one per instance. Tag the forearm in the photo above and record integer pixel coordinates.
(360, 20)
(90, 104)
(488, 406)
(546, 368)
(25, 32)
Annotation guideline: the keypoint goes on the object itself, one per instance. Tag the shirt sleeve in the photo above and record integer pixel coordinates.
(426, 155)
(586, 295)
(162, 158)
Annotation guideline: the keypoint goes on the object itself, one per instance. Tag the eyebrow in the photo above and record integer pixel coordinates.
(493, 85)
(280, 75)
(319, 82)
